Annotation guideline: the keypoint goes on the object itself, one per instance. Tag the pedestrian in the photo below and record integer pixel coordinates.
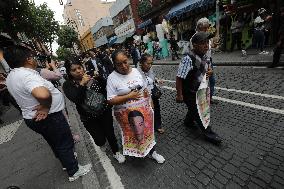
(42, 105)
(259, 35)
(135, 54)
(203, 25)
(127, 92)
(236, 30)
(174, 47)
(190, 73)
(280, 44)
(100, 127)
(151, 81)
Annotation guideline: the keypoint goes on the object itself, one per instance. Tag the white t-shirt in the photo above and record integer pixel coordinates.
(20, 83)
(119, 85)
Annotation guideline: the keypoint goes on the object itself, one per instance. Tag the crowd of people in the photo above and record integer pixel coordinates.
(104, 87)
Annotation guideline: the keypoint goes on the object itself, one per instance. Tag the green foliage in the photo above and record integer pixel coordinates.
(24, 17)
(63, 53)
(67, 36)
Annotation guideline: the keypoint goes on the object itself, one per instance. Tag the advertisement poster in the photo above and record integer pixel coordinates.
(203, 102)
(137, 127)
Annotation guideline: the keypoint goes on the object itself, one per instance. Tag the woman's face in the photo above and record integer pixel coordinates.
(77, 71)
(121, 64)
(146, 66)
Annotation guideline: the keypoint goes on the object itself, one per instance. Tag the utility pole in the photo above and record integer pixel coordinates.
(217, 19)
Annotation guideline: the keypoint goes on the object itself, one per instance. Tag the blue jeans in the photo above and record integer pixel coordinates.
(56, 131)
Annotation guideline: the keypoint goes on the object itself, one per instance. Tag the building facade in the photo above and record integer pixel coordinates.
(83, 14)
(123, 20)
(87, 41)
(102, 31)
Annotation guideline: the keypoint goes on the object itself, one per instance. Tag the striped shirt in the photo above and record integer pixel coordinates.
(184, 67)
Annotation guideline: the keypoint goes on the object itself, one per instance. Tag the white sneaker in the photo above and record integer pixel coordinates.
(265, 52)
(83, 170)
(159, 158)
(119, 157)
(261, 52)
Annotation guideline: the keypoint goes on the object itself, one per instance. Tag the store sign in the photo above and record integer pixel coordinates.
(125, 28)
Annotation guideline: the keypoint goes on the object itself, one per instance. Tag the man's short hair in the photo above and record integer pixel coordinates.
(17, 55)
(133, 114)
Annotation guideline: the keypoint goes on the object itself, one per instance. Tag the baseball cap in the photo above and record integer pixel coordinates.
(200, 37)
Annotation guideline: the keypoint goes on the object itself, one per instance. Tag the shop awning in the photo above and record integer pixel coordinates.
(144, 24)
(187, 6)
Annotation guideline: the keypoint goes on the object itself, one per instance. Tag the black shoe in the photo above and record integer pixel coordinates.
(212, 137)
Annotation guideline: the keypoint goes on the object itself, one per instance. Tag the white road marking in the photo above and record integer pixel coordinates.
(113, 177)
(263, 108)
(252, 93)
(243, 92)
(8, 131)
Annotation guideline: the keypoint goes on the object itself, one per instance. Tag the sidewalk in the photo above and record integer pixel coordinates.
(232, 59)
(28, 162)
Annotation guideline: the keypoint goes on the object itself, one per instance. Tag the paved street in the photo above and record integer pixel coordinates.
(252, 154)
(249, 117)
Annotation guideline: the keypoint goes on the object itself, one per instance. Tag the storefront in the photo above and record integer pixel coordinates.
(183, 17)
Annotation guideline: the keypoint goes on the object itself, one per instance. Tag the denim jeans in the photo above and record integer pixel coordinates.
(56, 131)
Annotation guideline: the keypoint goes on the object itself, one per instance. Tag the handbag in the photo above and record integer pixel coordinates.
(94, 103)
(156, 92)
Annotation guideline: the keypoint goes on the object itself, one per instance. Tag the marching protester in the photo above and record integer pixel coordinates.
(203, 25)
(260, 29)
(190, 73)
(174, 47)
(98, 123)
(148, 75)
(127, 92)
(42, 105)
(135, 54)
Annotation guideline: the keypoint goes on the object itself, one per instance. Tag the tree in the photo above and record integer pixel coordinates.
(67, 36)
(36, 22)
(63, 53)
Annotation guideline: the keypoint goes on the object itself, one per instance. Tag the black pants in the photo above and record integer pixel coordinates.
(236, 38)
(259, 38)
(157, 114)
(56, 131)
(101, 129)
(192, 114)
(174, 54)
(277, 53)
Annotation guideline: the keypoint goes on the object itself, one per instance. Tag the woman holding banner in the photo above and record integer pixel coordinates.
(127, 92)
(147, 72)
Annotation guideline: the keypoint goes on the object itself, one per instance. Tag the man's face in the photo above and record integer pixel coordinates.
(92, 54)
(204, 28)
(137, 124)
(201, 48)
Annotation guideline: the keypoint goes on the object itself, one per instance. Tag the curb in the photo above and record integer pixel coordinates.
(100, 177)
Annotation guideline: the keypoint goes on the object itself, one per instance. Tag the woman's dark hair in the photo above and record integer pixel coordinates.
(116, 53)
(144, 58)
(68, 64)
(133, 114)
(16, 55)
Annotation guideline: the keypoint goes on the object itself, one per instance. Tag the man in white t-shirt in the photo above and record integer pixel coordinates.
(42, 104)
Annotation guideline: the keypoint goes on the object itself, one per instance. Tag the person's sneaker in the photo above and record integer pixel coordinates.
(159, 158)
(265, 52)
(83, 170)
(261, 52)
(119, 157)
(244, 52)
